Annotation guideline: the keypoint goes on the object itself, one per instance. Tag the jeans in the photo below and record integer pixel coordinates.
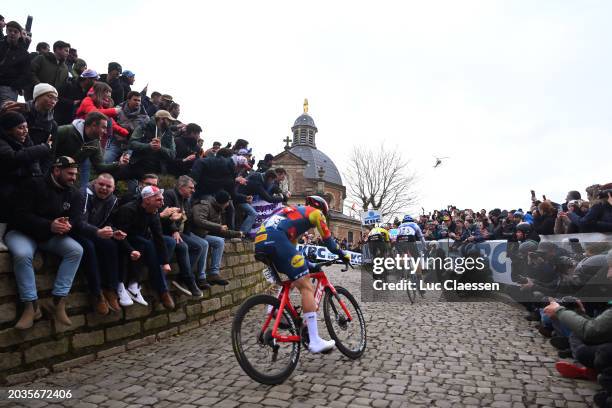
(7, 94)
(249, 218)
(200, 265)
(113, 151)
(148, 254)
(186, 256)
(216, 245)
(100, 262)
(84, 170)
(597, 356)
(23, 247)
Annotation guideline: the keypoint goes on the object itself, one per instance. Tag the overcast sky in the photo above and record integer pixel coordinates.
(517, 93)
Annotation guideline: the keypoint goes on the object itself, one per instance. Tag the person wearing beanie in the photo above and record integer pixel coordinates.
(19, 161)
(206, 220)
(51, 67)
(14, 64)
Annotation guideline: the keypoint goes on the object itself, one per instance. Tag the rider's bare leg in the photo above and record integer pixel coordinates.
(309, 306)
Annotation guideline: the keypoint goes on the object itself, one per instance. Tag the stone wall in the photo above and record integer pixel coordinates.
(25, 355)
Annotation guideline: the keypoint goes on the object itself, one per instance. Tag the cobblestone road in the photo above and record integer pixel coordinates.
(428, 354)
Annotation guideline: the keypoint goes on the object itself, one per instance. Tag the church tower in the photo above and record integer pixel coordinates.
(304, 129)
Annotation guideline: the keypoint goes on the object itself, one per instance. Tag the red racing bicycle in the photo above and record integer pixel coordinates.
(267, 331)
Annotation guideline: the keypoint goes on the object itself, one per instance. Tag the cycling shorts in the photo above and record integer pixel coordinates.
(281, 251)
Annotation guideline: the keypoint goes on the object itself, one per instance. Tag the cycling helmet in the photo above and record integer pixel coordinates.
(318, 203)
(524, 227)
(408, 218)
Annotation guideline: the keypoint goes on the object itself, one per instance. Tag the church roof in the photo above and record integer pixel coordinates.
(316, 159)
(304, 120)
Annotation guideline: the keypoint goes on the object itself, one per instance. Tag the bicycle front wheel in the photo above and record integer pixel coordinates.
(260, 355)
(350, 336)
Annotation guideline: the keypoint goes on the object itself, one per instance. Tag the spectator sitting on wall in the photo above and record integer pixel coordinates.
(151, 104)
(47, 209)
(100, 251)
(175, 110)
(599, 216)
(153, 145)
(99, 99)
(140, 220)
(127, 79)
(14, 64)
(544, 218)
(71, 58)
(78, 68)
(131, 115)
(19, 161)
(41, 49)
(213, 150)
(112, 80)
(207, 222)
(265, 164)
(71, 94)
(190, 249)
(50, 68)
(148, 179)
(81, 141)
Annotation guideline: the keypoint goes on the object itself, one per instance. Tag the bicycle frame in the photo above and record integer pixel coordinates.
(283, 296)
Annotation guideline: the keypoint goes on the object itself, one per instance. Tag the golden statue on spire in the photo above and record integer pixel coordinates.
(305, 105)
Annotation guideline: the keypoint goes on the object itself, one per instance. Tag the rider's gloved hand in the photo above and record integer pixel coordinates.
(313, 267)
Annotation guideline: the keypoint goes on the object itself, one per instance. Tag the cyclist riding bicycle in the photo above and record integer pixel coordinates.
(409, 231)
(277, 239)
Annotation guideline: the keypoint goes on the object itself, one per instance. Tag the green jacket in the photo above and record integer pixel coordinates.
(46, 68)
(70, 141)
(591, 330)
(206, 217)
(146, 159)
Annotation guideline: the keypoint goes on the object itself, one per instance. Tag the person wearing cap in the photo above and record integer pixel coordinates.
(141, 222)
(15, 65)
(47, 211)
(81, 141)
(19, 161)
(71, 94)
(127, 79)
(112, 79)
(152, 145)
(51, 68)
(206, 218)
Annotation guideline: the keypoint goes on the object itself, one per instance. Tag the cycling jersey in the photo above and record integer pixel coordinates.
(277, 238)
(378, 234)
(410, 231)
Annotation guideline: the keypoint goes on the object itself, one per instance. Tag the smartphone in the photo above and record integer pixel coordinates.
(533, 196)
(544, 197)
(28, 26)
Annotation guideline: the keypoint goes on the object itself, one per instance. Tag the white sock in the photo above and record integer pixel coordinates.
(313, 330)
(2, 231)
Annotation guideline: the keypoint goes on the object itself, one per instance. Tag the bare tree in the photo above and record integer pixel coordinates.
(380, 180)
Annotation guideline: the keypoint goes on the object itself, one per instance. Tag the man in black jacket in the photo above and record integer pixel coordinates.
(259, 186)
(71, 94)
(100, 252)
(187, 150)
(112, 79)
(140, 220)
(14, 64)
(190, 249)
(48, 209)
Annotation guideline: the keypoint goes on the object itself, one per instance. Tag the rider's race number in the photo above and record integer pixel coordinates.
(273, 221)
(270, 276)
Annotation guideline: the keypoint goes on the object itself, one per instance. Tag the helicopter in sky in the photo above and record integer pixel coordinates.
(439, 161)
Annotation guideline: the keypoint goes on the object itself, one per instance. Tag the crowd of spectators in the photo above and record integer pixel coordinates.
(81, 160)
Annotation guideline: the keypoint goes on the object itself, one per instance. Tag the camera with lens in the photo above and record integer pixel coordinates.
(569, 302)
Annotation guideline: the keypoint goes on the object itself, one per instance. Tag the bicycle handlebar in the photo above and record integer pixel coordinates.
(334, 261)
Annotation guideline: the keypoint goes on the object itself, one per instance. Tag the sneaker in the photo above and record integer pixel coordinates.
(321, 346)
(183, 287)
(195, 291)
(560, 342)
(202, 284)
(216, 280)
(124, 298)
(571, 370)
(167, 300)
(134, 291)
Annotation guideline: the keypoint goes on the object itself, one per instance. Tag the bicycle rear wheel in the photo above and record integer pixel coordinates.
(410, 291)
(350, 336)
(262, 357)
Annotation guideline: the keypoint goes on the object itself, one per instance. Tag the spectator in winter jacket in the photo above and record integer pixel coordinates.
(100, 251)
(599, 216)
(2, 25)
(14, 64)
(48, 209)
(260, 186)
(544, 218)
(81, 141)
(78, 68)
(265, 164)
(153, 146)
(71, 59)
(190, 249)
(112, 80)
(41, 49)
(151, 104)
(175, 110)
(187, 150)
(140, 220)
(126, 80)
(213, 150)
(71, 94)
(98, 99)
(131, 116)
(50, 68)
(19, 162)
(207, 222)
